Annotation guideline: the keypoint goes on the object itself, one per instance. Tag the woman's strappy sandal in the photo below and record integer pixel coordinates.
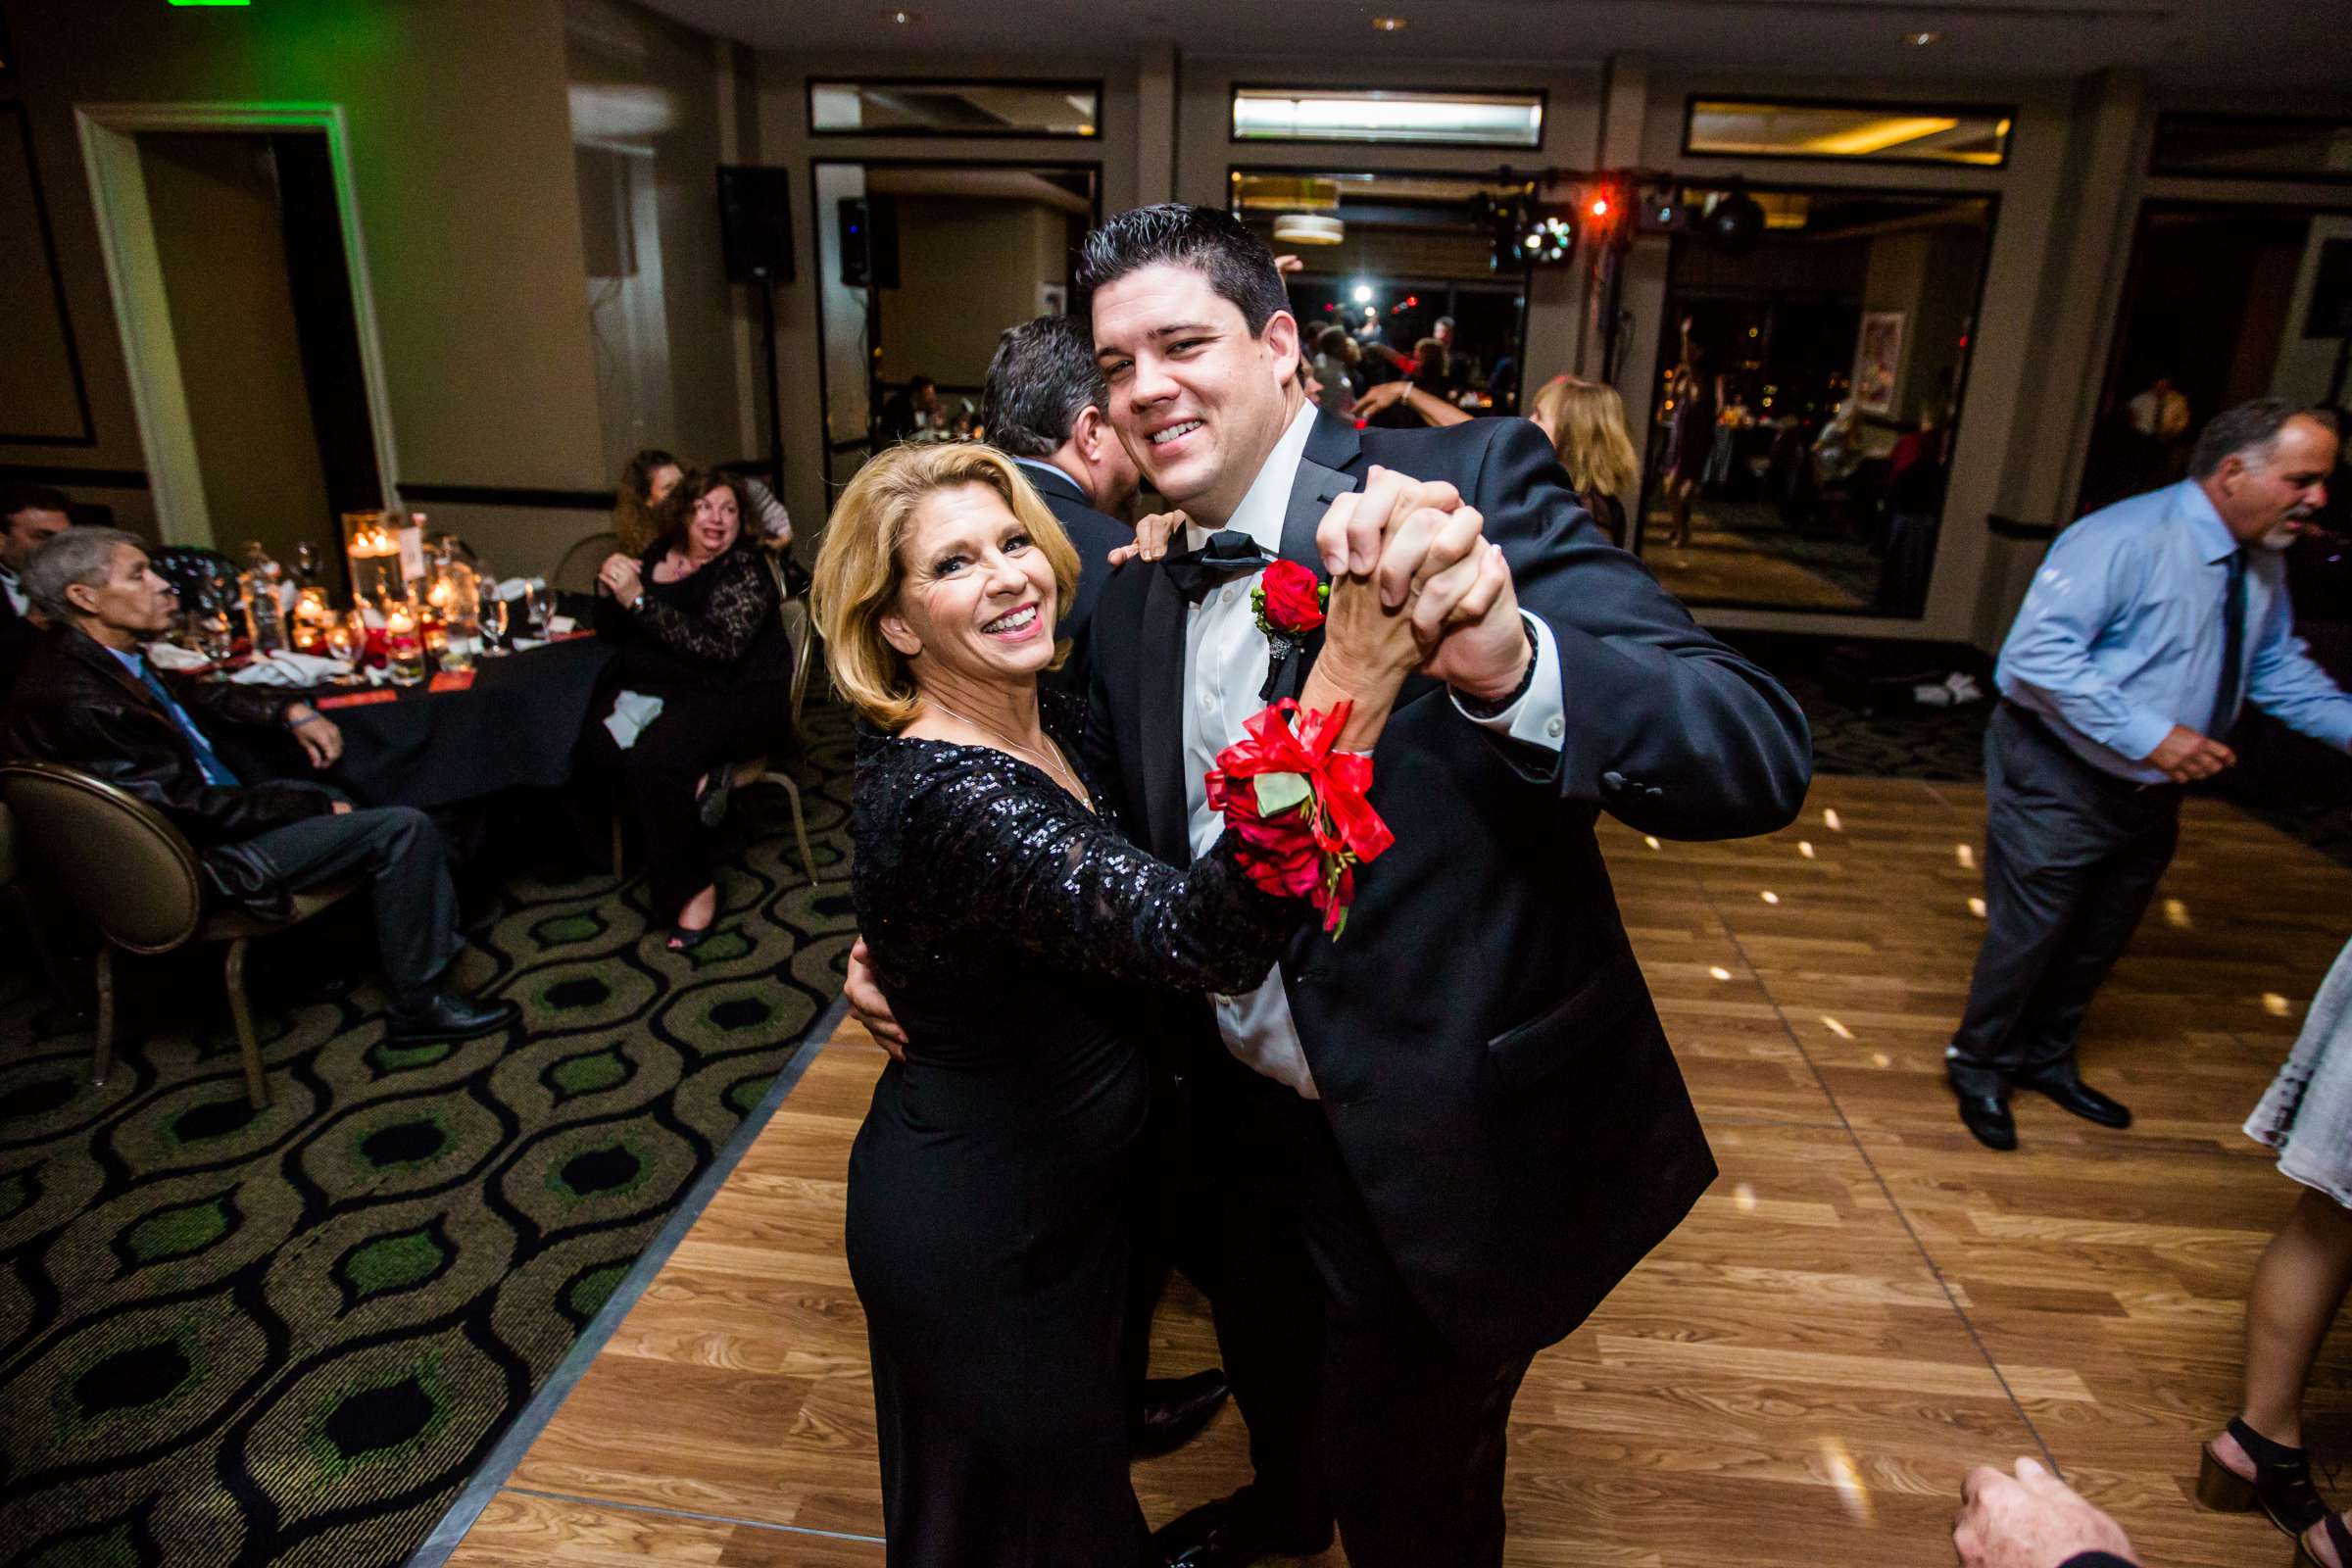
(2281, 1486)
(2337, 1537)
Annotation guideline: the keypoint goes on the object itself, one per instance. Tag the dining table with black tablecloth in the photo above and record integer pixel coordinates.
(514, 726)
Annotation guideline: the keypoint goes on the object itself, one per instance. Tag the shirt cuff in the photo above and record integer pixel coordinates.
(2142, 734)
(1540, 717)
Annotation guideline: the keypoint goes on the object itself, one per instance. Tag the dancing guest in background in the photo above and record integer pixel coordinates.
(2259, 1461)
(1585, 421)
(2149, 626)
(990, 1186)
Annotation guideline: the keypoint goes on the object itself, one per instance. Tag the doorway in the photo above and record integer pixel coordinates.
(920, 267)
(1809, 389)
(232, 252)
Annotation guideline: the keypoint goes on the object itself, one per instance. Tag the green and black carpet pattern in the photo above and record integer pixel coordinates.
(230, 1336)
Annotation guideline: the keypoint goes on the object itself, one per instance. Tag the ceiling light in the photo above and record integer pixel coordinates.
(1920, 40)
(901, 18)
(1309, 229)
(1362, 294)
(1388, 23)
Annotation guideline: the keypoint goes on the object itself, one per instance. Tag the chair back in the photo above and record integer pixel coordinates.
(8, 845)
(576, 571)
(794, 613)
(120, 862)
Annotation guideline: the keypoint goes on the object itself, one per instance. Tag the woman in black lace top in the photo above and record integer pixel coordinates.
(1021, 940)
(696, 619)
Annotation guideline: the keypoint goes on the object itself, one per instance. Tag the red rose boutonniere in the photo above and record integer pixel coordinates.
(1300, 807)
(1289, 599)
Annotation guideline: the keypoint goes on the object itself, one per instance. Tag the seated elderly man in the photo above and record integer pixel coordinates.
(89, 700)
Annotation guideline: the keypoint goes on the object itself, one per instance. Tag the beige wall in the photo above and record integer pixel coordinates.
(213, 202)
(462, 169)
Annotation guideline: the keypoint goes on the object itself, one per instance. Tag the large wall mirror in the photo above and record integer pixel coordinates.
(1397, 266)
(920, 265)
(1808, 393)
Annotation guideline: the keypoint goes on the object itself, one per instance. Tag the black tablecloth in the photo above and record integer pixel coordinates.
(514, 729)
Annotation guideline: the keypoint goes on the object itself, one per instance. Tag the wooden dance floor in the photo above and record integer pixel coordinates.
(1865, 1303)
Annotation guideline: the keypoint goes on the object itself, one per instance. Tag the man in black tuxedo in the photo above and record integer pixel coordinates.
(29, 516)
(1045, 407)
(1432, 1147)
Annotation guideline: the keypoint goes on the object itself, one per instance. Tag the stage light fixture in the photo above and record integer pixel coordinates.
(1362, 294)
(1732, 220)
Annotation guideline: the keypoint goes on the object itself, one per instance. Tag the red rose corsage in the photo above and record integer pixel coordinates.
(1299, 808)
(1289, 599)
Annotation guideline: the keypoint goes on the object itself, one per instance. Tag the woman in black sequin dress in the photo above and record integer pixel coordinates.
(1020, 938)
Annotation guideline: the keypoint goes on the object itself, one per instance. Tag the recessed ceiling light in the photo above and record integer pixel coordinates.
(902, 18)
(1389, 23)
(1920, 40)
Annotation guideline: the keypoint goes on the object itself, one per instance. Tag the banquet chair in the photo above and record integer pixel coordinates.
(575, 573)
(136, 878)
(762, 769)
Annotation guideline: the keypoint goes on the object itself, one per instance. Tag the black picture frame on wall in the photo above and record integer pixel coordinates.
(20, 145)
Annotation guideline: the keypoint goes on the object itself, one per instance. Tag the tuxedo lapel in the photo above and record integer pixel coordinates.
(1312, 492)
(1160, 721)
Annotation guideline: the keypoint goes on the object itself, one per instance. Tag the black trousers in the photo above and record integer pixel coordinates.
(1357, 1412)
(696, 731)
(2072, 857)
(416, 904)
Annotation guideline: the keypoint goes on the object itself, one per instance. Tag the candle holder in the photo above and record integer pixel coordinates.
(404, 643)
(372, 544)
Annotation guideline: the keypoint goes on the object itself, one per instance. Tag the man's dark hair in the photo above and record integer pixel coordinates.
(1213, 243)
(2240, 429)
(1041, 378)
(921, 383)
(15, 498)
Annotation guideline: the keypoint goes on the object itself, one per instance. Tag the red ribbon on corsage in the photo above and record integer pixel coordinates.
(1299, 808)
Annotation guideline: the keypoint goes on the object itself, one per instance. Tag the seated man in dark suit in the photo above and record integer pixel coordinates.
(91, 700)
(1043, 407)
(29, 514)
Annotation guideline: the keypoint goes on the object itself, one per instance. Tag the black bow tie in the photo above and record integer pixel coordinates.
(1228, 555)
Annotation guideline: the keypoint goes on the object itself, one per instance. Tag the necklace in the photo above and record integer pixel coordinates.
(1050, 760)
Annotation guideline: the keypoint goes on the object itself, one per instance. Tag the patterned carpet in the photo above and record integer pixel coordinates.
(290, 1337)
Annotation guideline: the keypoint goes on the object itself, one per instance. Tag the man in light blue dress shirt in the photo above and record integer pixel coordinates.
(2148, 628)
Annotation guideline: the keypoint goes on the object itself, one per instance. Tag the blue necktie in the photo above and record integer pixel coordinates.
(208, 762)
(2233, 648)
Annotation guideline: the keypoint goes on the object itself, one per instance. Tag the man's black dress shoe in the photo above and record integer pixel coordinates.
(446, 1015)
(1173, 1410)
(2072, 1094)
(1987, 1116)
(1230, 1532)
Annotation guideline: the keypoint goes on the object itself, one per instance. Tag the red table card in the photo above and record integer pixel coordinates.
(356, 699)
(452, 680)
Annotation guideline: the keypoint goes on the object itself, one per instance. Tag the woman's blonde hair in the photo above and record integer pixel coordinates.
(1586, 420)
(859, 570)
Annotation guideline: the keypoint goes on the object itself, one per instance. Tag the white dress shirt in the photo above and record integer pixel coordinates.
(15, 589)
(1225, 663)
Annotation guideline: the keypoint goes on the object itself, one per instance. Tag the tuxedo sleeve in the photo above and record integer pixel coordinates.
(1666, 728)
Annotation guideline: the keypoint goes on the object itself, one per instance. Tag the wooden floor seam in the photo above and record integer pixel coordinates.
(1780, 1014)
(689, 1514)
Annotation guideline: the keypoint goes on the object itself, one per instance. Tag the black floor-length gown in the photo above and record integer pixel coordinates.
(1019, 938)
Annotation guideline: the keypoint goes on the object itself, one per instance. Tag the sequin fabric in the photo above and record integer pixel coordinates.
(994, 905)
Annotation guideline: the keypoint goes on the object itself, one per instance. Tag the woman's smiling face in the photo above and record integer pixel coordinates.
(976, 598)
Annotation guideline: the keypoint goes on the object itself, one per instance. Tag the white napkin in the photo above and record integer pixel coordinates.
(631, 713)
(171, 655)
(291, 670)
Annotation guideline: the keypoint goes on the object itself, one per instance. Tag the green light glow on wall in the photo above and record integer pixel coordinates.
(211, 2)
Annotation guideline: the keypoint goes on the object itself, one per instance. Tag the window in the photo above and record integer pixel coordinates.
(2250, 146)
(1886, 133)
(879, 107)
(1388, 117)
